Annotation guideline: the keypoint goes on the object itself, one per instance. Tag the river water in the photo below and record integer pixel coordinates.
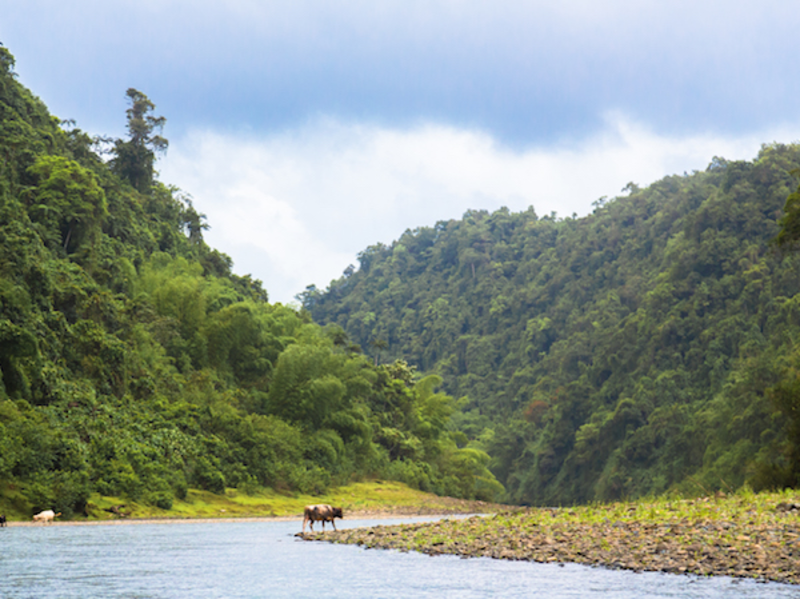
(238, 560)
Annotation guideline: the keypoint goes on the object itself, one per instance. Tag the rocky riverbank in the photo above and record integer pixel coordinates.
(748, 535)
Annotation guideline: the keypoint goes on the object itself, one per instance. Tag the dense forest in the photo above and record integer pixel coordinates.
(649, 347)
(135, 364)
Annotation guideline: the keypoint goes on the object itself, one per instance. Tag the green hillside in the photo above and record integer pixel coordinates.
(650, 346)
(135, 364)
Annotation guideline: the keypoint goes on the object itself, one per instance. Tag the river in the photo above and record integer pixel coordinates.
(247, 559)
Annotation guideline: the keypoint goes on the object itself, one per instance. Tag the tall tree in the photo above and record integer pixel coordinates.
(134, 159)
(790, 223)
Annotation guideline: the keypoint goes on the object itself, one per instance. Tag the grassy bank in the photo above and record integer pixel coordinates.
(358, 498)
(744, 535)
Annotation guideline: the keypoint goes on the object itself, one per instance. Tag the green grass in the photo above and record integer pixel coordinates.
(362, 497)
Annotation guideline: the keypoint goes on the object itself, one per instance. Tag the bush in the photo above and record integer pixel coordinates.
(417, 475)
(207, 476)
(160, 495)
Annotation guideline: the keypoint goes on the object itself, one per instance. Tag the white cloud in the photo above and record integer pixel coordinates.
(295, 208)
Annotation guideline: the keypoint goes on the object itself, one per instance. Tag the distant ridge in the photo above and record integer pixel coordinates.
(650, 346)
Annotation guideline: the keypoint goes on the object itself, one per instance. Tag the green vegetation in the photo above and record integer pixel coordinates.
(136, 367)
(746, 535)
(357, 499)
(648, 347)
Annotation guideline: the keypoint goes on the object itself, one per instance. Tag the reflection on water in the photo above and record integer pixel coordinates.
(234, 560)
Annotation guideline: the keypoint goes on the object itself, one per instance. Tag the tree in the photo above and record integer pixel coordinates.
(193, 221)
(790, 223)
(378, 345)
(67, 203)
(134, 159)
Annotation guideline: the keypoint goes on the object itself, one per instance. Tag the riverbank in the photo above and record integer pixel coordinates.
(357, 515)
(745, 535)
(363, 500)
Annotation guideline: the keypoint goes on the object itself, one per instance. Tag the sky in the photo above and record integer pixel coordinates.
(308, 130)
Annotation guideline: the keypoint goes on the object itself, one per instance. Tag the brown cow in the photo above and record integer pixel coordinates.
(320, 512)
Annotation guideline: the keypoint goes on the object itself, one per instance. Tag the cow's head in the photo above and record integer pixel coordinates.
(337, 513)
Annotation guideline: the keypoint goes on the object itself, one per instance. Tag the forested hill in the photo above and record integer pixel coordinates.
(135, 365)
(649, 346)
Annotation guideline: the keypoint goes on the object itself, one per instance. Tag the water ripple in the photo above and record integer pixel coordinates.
(244, 560)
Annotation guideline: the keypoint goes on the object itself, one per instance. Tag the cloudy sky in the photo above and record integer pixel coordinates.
(307, 130)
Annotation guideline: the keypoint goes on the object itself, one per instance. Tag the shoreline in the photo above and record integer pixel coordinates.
(366, 499)
(356, 515)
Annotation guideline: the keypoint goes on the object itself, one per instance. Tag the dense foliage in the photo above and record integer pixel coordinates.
(647, 347)
(134, 363)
